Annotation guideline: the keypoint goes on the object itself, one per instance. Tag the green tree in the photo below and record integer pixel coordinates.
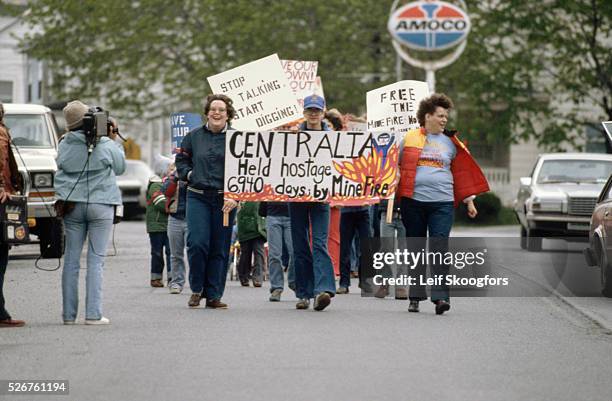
(130, 51)
(534, 69)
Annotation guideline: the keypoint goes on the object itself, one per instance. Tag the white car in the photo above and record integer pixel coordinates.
(133, 185)
(35, 136)
(557, 200)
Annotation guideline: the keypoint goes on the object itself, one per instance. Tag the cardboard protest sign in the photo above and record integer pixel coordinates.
(344, 167)
(393, 108)
(180, 125)
(260, 92)
(302, 77)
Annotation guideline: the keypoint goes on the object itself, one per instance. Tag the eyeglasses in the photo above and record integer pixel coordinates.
(217, 110)
(313, 110)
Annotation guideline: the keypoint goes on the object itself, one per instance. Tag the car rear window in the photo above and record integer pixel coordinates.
(580, 171)
(28, 130)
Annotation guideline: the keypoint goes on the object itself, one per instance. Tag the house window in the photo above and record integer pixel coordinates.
(6, 91)
(595, 139)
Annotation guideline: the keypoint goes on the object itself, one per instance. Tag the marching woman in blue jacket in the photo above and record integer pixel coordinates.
(89, 182)
(200, 161)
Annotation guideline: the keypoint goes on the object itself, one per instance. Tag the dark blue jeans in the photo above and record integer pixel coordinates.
(4, 249)
(351, 223)
(208, 244)
(435, 219)
(314, 272)
(159, 246)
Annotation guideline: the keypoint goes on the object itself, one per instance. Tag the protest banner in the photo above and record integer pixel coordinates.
(180, 124)
(393, 108)
(341, 168)
(302, 77)
(260, 92)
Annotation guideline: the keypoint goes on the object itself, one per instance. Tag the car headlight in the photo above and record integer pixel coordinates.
(42, 180)
(543, 205)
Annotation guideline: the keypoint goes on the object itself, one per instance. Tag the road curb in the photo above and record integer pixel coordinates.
(593, 317)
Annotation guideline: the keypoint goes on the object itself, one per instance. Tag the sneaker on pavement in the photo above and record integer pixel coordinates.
(99, 322)
(382, 291)
(401, 293)
(69, 322)
(244, 283)
(275, 296)
(342, 290)
(175, 289)
(303, 303)
(414, 306)
(194, 300)
(215, 304)
(256, 283)
(441, 307)
(322, 301)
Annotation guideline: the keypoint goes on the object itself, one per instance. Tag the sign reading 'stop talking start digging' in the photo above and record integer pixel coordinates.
(310, 166)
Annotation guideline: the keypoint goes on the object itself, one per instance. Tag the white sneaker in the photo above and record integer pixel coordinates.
(100, 322)
(175, 289)
(69, 322)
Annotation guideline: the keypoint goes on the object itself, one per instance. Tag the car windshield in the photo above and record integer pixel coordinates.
(579, 171)
(28, 130)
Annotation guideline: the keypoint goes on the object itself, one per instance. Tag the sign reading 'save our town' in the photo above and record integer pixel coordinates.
(260, 92)
(429, 25)
(393, 108)
(180, 125)
(306, 166)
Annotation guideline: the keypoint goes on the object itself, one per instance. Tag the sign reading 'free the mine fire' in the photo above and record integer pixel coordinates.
(345, 168)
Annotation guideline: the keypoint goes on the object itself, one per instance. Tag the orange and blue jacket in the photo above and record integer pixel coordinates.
(468, 178)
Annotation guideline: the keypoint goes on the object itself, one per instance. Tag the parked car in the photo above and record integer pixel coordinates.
(599, 252)
(557, 200)
(35, 136)
(133, 185)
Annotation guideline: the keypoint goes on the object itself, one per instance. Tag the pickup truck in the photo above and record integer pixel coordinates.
(35, 134)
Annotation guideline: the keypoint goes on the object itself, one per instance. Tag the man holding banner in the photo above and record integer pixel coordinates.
(314, 273)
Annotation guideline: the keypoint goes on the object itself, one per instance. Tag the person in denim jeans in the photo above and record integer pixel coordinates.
(88, 180)
(175, 191)
(278, 228)
(437, 172)
(200, 162)
(314, 273)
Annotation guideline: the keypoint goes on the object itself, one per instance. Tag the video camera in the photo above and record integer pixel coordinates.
(95, 125)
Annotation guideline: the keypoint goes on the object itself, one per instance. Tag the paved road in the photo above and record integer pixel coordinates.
(358, 349)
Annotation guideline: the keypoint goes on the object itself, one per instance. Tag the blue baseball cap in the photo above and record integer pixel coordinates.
(314, 102)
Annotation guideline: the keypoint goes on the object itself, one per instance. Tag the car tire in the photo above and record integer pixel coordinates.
(534, 243)
(51, 236)
(523, 238)
(606, 272)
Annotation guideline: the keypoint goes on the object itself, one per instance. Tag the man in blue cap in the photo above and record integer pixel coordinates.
(314, 273)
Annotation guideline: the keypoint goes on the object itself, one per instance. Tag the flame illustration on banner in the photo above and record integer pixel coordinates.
(382, 170)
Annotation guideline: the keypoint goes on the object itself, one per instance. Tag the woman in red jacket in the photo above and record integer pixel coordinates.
(437, 172)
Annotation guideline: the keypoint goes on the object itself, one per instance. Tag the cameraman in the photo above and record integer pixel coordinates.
(87, 184)
(10, 182)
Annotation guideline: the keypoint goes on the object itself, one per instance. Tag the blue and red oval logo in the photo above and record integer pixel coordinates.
(429, 25)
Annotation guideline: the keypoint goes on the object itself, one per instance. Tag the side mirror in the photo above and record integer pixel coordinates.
(525, 181)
